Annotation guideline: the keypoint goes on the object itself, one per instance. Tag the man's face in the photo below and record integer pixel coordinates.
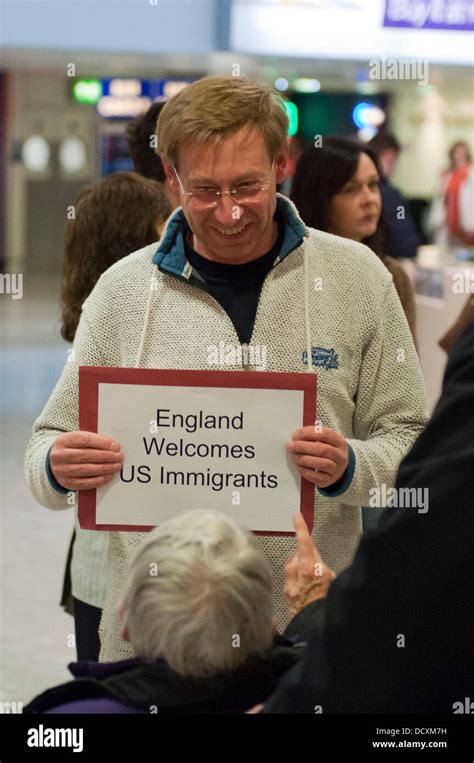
(228, 231)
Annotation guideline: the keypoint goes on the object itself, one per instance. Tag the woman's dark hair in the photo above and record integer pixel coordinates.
(144, 157)
(114, 217)
(321, 173)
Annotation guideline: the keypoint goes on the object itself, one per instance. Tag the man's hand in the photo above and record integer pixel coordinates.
(307, 577)
(321, 456)
(84, 460)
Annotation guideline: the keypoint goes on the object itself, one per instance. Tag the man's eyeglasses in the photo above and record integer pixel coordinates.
(206, 196)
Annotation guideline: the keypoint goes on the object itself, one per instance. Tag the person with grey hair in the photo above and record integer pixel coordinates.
(197, 609)
(199, 595)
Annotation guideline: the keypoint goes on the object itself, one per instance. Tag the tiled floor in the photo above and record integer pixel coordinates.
(34, 630)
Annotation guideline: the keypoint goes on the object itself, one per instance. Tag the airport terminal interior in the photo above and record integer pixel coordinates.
(72, 80)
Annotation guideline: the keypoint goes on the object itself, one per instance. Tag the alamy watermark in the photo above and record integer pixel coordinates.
(222, 354)
(416, 69)
(466, 706)
(463, 282)
(56, 737)
(12, 283)
(400, 498)
(7, 708)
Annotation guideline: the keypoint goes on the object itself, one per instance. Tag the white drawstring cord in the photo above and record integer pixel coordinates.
(147, 318)
(309, 367)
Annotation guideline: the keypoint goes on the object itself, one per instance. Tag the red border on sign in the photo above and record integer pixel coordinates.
(91, 376)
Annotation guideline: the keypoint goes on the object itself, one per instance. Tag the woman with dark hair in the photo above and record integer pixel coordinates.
(118, 215)
(336, 189)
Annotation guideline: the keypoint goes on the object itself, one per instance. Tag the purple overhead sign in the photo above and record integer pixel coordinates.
(457, 15)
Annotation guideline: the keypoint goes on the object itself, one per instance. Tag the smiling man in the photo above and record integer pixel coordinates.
(236, 226)
(237, 266)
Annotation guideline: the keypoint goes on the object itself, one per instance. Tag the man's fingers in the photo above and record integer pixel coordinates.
(311, 433)
(84, 471)
(321, 464)
(88, 455)
(320, 479)
(87, 484)
(79, 440)
(316, 449)
(78, 456)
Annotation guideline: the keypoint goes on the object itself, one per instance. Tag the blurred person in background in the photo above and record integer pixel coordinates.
(451, 218)
(201, 627)
(141, 137)
(117, 215)
(336, 188)
(452, 223)
(404, 237)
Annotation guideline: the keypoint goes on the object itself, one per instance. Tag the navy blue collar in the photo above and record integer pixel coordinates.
(171, 253)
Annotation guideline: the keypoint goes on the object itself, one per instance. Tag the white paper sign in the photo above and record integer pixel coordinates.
(196, 447)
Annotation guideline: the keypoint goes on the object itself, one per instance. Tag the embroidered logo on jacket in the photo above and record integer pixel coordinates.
(321, 357)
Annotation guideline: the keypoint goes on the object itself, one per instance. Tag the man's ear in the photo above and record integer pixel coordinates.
(171, 195)
(171, 178)
(281, 160)
(122, 615)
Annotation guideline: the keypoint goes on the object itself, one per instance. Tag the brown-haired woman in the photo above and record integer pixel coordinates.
(116, 216)
(336, 189)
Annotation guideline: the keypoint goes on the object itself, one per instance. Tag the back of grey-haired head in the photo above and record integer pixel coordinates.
(198, 595)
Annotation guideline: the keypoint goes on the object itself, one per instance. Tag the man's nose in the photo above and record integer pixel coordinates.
(227, 212)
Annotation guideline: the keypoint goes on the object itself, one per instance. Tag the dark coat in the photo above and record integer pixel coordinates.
(404, 236)
(135, 686)
(396, 634)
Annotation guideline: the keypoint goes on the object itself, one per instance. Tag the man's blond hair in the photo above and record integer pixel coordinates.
(215, 107)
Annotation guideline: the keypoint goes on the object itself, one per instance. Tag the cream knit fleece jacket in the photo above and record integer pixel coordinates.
(326, 296)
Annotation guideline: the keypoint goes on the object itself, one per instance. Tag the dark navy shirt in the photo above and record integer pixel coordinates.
(404, 236)
(237, 287)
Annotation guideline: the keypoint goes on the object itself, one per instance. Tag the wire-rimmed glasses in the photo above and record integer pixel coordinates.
(208, 197)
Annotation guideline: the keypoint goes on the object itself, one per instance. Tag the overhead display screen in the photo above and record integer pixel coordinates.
(439, 31)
